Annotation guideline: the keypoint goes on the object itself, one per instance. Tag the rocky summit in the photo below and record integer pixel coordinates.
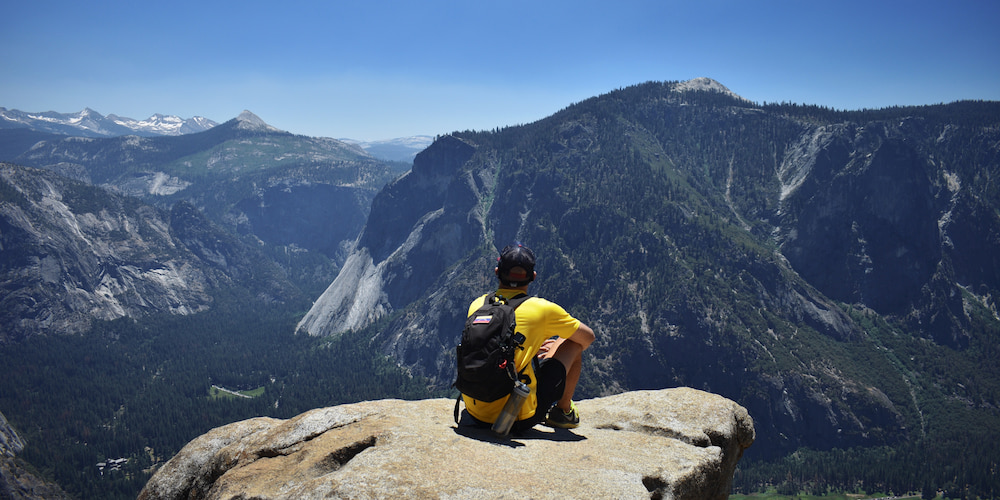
(672, 444)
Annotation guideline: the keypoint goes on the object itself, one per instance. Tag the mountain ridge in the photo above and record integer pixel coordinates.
(244, 174)
(90, 123)
(689, 191)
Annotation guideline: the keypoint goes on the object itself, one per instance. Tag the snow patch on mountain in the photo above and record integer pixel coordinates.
(90, 123)
(165, 125)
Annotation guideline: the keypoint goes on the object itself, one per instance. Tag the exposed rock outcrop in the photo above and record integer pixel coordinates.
(74, 253)
(413, 237)
(673, 443)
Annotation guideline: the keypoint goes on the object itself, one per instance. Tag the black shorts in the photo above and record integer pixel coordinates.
(549, 388)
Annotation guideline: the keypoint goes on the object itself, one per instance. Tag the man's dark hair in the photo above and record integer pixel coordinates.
(516, 265)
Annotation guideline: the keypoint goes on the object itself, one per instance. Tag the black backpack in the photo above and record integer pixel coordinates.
(485, 355)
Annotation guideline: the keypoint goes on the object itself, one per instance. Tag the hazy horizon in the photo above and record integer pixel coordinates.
(379, 70)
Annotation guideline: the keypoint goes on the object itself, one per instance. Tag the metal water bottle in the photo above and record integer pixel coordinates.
(511, 409)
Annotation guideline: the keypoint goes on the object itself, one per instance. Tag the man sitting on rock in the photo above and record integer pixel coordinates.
(552, 354)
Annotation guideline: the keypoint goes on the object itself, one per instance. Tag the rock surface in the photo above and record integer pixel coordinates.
(671, 444)
(71, 253)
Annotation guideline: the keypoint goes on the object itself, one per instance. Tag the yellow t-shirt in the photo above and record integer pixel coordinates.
(538, 319)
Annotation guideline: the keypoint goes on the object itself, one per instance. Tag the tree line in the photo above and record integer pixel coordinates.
(141, 390)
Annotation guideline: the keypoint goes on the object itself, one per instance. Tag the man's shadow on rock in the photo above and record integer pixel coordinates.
(471, 428)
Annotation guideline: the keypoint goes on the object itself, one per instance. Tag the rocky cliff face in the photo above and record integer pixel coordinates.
(670, 444)
(409, 242)
(72, 253)
(882, 214)
(66, 263)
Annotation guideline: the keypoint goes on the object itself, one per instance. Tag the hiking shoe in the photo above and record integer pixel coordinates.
(563, 420)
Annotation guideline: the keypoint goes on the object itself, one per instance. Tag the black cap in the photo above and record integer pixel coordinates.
(513, 257)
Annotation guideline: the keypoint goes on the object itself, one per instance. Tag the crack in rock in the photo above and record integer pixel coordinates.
(340, 457)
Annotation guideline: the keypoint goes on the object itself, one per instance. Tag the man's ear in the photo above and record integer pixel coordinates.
(496, 271)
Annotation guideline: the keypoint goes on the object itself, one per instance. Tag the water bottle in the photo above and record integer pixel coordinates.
(511, 409)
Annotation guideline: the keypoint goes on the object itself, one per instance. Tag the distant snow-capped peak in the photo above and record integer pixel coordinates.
(93, 124)
(165, 125)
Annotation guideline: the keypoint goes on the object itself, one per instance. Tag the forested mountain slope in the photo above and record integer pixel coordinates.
(834, 272)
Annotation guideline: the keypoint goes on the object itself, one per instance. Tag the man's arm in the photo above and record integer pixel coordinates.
(583, 335)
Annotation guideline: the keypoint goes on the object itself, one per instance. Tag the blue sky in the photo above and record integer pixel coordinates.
(372, 69)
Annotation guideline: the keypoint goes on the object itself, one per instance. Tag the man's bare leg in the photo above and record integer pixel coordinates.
(570, 354)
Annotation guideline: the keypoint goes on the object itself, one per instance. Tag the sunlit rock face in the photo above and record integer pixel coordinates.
(418, 227)
(72, 253)
(677, 443)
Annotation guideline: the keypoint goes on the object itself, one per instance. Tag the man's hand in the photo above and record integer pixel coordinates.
(583, 336)
(549, 347)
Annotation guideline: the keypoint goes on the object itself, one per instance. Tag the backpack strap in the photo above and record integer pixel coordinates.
(513, 301)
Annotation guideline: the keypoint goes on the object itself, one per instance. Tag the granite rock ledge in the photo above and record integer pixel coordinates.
(667, 444)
